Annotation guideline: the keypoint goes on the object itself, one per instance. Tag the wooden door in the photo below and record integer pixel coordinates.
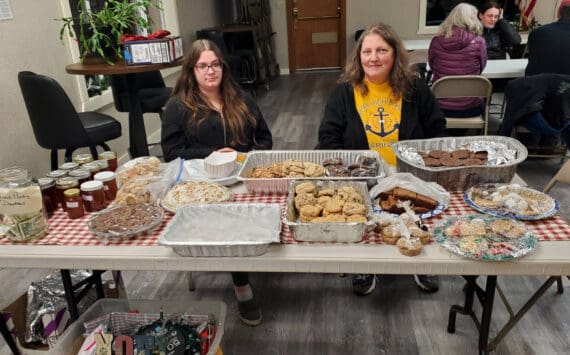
(317, 35)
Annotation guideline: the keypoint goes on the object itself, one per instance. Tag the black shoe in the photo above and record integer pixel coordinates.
(427, 283)
(249, 312)
(363, 284)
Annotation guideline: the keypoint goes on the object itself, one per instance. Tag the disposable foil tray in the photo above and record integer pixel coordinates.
(229, 229)
(281, 185)
(460, 178)
(346, 232)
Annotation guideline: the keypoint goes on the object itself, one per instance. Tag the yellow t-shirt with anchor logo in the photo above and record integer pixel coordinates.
(380, 113)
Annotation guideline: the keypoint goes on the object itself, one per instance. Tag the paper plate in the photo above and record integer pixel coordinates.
(196, 171)
(543, 206)
(491, 245)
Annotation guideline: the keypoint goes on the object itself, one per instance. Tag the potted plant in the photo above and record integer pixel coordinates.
(98, 31)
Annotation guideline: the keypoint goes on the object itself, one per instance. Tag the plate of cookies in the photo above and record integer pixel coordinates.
(328, 211)
(511, 200)
(485, 237)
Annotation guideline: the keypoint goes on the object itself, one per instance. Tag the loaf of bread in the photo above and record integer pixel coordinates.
(420, 203)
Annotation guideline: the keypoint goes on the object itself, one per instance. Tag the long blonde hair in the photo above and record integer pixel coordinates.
(463, 16)
(235, 113)
(401, 76)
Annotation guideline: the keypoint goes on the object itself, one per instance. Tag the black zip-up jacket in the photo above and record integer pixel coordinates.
(342, 128)
(499, 38)
(180, 139)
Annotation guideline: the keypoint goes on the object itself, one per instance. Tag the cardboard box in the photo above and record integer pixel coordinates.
(18, 311)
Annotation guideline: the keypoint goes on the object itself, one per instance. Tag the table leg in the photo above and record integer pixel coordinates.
(85, 285)
(69, 295)
(8, 338)
(137, 133)
(487, 303)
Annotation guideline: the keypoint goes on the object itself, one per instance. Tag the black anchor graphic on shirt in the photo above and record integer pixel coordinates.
(382, 132)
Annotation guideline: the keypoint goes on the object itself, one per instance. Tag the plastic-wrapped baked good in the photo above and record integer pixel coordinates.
(337, 170)
(363, 160)
(359, 172)
(333, 161)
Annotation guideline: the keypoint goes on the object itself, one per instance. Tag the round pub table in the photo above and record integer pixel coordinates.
(137, 134)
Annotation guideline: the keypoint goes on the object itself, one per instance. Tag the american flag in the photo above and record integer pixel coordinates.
(527, 16)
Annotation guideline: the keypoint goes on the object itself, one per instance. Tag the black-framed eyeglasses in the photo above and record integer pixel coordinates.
(203, 67)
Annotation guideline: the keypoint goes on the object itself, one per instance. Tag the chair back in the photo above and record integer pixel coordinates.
(55, 121)
(151, 81)
(465, 86)
(563, 175)
(218, 39)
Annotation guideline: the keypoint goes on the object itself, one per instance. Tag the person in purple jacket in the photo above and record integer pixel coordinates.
(459, 49)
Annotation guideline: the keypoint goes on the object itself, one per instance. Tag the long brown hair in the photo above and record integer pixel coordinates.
(401, 76)
(235, 113)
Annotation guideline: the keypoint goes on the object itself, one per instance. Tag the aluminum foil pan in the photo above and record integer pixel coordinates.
(328, 232)
(281, 185)
(502, 167)
(229, 229)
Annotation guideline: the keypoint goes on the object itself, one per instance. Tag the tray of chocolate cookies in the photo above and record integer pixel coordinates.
(328, 211)
(272, 171)
(457, 163)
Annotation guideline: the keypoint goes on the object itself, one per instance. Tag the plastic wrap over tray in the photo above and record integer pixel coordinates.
(463, 177)
(229, 229)
(345, 232)
(281, 185)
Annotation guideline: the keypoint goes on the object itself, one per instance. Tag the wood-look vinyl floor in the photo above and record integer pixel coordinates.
(318, 313)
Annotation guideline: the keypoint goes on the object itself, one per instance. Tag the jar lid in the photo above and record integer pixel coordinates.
(104, 176)
(66, 182)
(107, 155)
(46, 182)
(103, 164)
(83, 158)
(91, 185)
(68, 166)
(71, 192)
(92, 167)
(14, 174)
(80, 173)
(56, 174)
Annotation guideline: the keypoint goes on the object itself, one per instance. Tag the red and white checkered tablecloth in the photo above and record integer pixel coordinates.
(65, 231)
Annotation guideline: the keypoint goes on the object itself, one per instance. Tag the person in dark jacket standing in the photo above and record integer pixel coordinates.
(208, 112)
(378, 101)
(498, 33)
(549, 45)
(459, 49)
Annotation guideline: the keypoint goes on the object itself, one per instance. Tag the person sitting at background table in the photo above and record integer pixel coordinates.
(498, 33)
(459, 49)
(549, 45)
(380, 100)
(209, 112)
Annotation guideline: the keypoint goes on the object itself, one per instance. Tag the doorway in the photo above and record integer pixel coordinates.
(316, 34)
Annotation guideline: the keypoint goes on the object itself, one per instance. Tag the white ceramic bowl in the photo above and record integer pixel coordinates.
(220, 164)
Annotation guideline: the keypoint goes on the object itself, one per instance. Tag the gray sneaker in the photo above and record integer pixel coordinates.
(427, 283)
(363, 284)
(249, 312)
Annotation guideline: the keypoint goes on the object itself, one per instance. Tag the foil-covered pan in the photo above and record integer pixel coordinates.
(281, 185)
(505, 154)
(345, 232)
(229, 229)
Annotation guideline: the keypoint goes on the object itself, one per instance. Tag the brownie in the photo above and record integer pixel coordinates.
(423, 154)
(337, 170)
(460, 154)
(473, 162)
(450, 162)
(479, 155)
(333, 161)
(366, 161)
(432, 162)
(362, 172)
(438, 154)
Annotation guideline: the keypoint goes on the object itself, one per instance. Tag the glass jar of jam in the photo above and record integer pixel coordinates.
(68, 166)
(93, 168)
(21, 205)
(57, 174)
(103, 164)
(83, 158)
(49, 195)
(63, 184)
(109, 184)
(111, 157)
(93, 195)
(73, 203)
(80, 174)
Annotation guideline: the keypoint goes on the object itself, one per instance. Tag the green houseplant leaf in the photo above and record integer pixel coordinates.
(99, 32)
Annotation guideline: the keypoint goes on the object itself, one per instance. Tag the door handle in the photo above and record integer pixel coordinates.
(295, 12)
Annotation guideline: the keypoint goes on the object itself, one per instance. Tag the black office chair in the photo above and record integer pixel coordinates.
(56, 123)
